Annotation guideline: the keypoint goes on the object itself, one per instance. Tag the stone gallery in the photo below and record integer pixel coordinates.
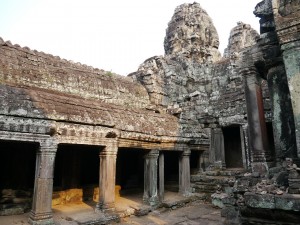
(190, 121)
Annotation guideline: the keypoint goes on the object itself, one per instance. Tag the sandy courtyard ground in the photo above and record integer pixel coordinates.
(195, 213)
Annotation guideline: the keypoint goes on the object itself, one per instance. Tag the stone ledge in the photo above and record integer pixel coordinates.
(269, 201)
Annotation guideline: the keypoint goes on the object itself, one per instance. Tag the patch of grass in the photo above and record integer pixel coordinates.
(109, 73)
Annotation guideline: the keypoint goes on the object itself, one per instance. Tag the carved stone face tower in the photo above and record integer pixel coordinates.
(192, 35)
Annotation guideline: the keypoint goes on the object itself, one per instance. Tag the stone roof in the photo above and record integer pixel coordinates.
(40, 86)
(25, 67)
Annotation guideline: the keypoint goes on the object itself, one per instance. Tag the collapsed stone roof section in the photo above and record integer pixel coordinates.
(25, 67)
(192, 35)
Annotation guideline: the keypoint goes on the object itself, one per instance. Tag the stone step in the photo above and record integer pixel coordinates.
(212, 179)
(227, 172)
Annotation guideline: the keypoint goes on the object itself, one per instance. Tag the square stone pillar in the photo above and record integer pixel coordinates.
(107, 177)
(244, 147)
(219, 148)
(184, 173)
(150, 178)
(258, 141)
(287, 28)
(282, 116)
(41, 213)
(291, 57)
(161, 176)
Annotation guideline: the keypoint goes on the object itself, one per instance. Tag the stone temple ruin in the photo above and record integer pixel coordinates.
(190, 120)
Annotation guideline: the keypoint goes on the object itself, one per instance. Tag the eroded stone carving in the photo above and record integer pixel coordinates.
(192, 35)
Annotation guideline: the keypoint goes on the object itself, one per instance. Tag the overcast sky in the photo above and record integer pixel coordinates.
(114, 35)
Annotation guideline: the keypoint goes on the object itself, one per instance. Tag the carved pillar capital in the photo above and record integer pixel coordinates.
(48, 145)
(152, 154)
(186, 153)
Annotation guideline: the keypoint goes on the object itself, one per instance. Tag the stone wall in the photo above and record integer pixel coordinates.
(202, 89)
(271, 196)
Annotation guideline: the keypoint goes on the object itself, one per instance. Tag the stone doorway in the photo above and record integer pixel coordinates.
(197, 161)
(17, 166)
(76, 174)
(171, 170)
(233, 147)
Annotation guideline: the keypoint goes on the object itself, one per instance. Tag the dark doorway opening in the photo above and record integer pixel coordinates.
(271, 143)
(76, 174)
(130, 170)
(233, 147)
(195, 162)
(17, 166)
(171, 165)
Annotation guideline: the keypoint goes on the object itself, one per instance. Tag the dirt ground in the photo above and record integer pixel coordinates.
(194, 213)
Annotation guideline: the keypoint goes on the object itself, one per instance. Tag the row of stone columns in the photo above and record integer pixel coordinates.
(153, 187)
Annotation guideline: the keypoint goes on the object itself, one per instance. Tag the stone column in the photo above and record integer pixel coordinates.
(256, 121)
(219, 148)
(282, 116)
(282, 112)
(41, 213)
(291, 57)
(107, 176)
(287, 23)
(150, 178)
(184, 173)
(161, 176)
(243, 146)
(246, 144)
(212, 157)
